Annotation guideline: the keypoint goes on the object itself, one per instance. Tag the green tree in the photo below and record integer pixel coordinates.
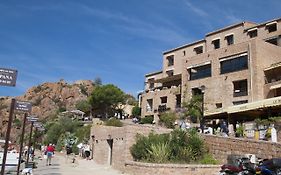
(105, 99)
(136, 111)
(84, 106)
(194, 108)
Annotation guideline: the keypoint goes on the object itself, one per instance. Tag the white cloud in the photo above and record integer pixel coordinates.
(195, 9)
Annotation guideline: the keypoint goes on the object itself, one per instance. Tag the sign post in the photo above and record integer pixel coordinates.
(21, 142)
(8, 136)
(8, 78)
(32, 120)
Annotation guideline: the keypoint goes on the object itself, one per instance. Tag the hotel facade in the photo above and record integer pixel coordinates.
(239, 66)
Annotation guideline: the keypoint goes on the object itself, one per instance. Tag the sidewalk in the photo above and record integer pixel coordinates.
(83, 167)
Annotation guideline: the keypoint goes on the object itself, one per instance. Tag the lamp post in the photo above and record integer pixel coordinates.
(202, 122)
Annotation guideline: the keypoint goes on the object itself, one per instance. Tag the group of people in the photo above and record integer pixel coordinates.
(84, 150)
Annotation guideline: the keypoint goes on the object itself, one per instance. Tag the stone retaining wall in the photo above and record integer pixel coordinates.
(221, 147)
(138, 168)
(124, 137)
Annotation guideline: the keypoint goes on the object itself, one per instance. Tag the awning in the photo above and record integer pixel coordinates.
(214, 112)
(271, 23)
(276, 101)
(273, 66)
(275, 86)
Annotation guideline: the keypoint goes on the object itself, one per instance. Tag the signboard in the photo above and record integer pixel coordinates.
(23, 106)
(8, 77)
(32, 119)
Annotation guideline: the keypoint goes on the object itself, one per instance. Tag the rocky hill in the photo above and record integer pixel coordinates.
(47, 99)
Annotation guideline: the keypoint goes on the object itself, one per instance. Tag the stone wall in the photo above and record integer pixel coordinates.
(221, 147)
(124, 137)
(138, 168)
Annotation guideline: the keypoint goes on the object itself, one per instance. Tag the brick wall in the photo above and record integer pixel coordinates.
(138, 168)
(221, 147)
(124, 137)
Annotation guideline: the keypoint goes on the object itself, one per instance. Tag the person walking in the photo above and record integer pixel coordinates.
(50, 152)
(87, 150)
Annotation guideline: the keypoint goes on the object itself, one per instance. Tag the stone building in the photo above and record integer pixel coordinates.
(239, 66)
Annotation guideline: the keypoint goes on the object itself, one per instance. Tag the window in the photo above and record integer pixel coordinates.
(170, 73)
(240, 88)
(240, 102)
(198, 50)
(218, 105)
(151, 83)
(273, 40)
(229, 39)
(253, 33)
(200, 72)
(216, 43)
(149, 105)
(234, 64)
(183, 52)
(196, 91)
(170, 60)
(271, 27)
(163, 99)
(178, 101)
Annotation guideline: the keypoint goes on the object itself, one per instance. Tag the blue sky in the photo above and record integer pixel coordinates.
(117, 40)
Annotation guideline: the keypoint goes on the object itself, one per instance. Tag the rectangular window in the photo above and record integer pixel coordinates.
(170, 60)
(240, 88)
(216, 43)
(151, 83)
(273, 40)
(149, 105)
(198, 50)
(253, 33)
(229, 39)
(240, 102)
(200, 72)
(163, 99)
(196, 91)
(178, 101)
(271, 27)
(234, 64)
(218, 105)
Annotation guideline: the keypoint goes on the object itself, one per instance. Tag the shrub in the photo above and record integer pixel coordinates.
(168, 119)
(159, 152)
(147, 120)
(114, 122)
(208, 159)
(196, 144)
(140, 149)
(178, 146)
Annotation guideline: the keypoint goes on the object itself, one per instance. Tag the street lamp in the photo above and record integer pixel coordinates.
(202, 122)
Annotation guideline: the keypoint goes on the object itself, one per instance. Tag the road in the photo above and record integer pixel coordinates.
(62, 167)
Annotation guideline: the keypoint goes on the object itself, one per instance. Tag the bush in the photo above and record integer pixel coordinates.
(159, 152)
(208, 159)
(147, 120)
(178, 146)
(168, 119)
(140, 149)
(114, 122)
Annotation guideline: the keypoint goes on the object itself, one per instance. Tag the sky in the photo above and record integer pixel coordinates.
(118, 41)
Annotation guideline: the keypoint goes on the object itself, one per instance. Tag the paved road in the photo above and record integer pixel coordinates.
(62, 167)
